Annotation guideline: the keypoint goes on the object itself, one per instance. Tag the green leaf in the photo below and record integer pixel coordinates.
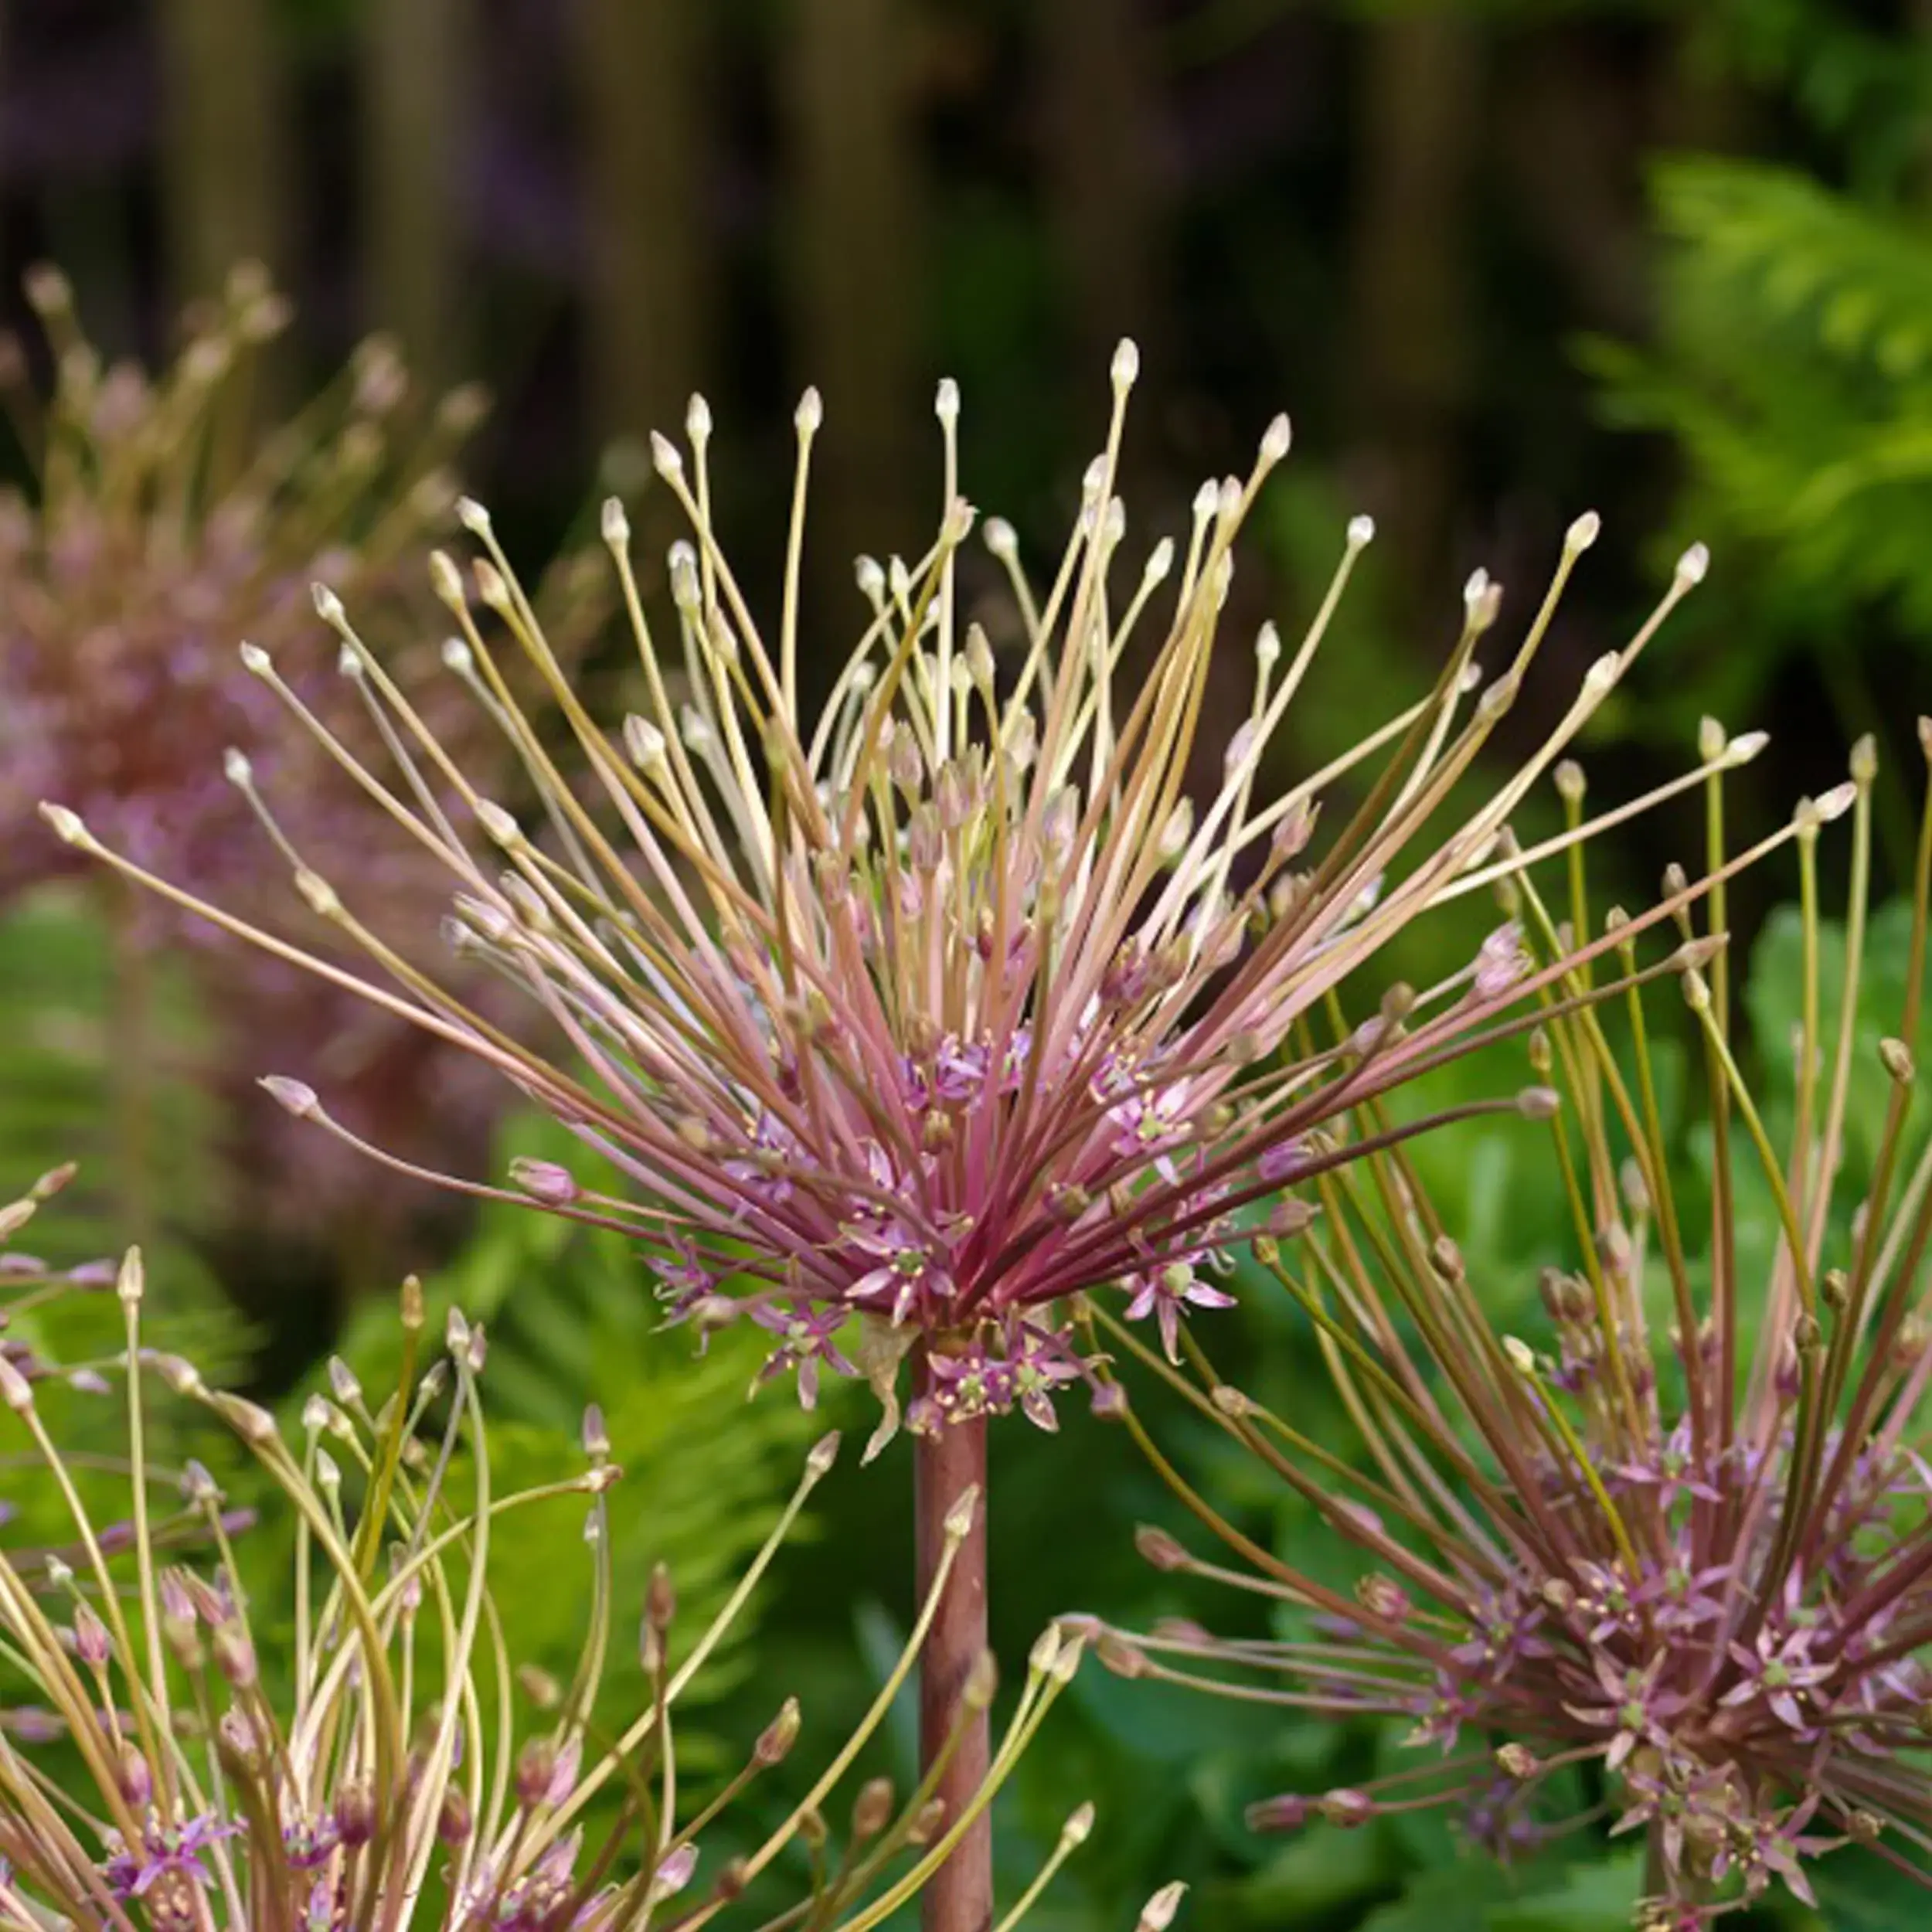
(1598, 1895)
(1859, 1892)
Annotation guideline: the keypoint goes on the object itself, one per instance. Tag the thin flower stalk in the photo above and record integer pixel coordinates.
(395, 1768)
(908, 1017)
(1682, 1539)
(951, 1003)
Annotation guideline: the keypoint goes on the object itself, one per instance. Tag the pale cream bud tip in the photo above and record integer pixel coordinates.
(66, 825)
(296, 1095)
(1361, 531)
(616, 521)
(1583, 532)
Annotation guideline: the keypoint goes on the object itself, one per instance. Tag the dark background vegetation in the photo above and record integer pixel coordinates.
(1502, 260)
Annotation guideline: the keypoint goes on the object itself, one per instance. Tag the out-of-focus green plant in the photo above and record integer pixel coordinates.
(1795, 371)
(58, 1081)
(1853, 79)
(1791, 366)
(570, 1319)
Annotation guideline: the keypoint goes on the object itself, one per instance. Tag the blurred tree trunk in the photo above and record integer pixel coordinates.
(1102, 115)
(225, 121)
(1921, 52)
(858, 290)
(1419, 116)
(415, 101)
(1571, 144)
(644, 67)
(1700, 103)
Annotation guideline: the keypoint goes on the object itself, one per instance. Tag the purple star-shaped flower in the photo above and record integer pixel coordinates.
(1166, 1293)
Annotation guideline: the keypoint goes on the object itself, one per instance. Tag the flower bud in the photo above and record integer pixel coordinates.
(1156, 1547)
(674, 1873)
(134, 1779)
(1347, 1808)
(1158, 1914)
(871, 1809)
(354, 1814)
(1287, 1812)
(90, 1637)
(535, 1765)
(234, 1655)
(548, 1182)
(660, 1599)
(981, 1681)
(539, 1686)
(454, 1823)
(238, 1746)
(1384, 1597)
(777, 1737)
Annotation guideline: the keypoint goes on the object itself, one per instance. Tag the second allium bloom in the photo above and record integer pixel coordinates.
(940, 1001)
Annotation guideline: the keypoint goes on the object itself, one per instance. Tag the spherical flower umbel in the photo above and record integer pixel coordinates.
(362, 1750)
(946, 1001)
(1678, 1536)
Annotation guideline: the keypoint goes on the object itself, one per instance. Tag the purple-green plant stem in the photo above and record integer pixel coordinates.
(947, 1462)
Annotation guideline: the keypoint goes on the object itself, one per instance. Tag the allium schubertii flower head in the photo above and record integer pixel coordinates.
(368, 1754)
(948, 1000)
(163, 521)
(1680, 1540)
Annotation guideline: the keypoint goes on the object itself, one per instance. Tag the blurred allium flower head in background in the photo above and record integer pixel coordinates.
(164, 520)
(363, 1752)
(163, 523)
(947, 1002)
(1645, 1544)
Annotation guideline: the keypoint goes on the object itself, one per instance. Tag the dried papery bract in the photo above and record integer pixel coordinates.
(1678, 1536)
(908, 1019)
(393, 1769)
